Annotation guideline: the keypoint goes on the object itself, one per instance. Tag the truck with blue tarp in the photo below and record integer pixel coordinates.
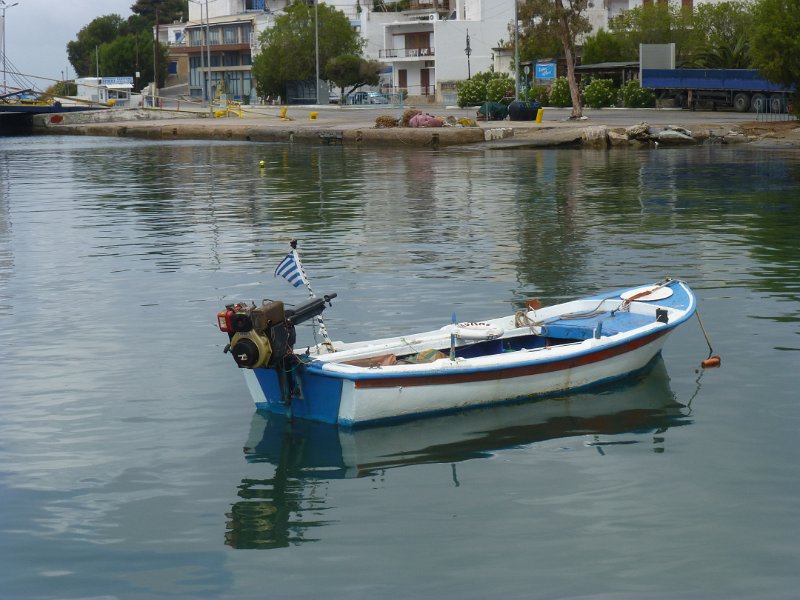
(743, 89)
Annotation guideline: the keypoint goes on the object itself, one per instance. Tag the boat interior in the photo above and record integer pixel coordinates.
(563, 329)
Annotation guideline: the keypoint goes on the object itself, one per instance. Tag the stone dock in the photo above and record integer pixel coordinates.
(603, 129)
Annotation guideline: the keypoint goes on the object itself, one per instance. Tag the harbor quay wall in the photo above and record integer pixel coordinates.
(345, 128)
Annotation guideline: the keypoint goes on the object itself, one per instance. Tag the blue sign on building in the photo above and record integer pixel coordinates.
(117, 80)
(545, 70)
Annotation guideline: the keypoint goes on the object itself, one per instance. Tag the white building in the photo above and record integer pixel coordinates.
(115, 91)
(425, 46)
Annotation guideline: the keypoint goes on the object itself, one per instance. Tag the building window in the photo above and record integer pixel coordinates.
(230, 59)
(254, 4)
(230, 35)
(247, 59)
(195, 74)
(196, 37)
(233, 86)
(247, 84)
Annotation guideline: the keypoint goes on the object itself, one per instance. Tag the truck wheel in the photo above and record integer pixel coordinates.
(741, 102)
(776, 104)
(758, 103)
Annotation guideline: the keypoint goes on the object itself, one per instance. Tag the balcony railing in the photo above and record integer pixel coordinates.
(406, 52)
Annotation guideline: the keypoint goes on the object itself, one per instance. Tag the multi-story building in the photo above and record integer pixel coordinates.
(425, 45)
(422, 48)
(217, 45)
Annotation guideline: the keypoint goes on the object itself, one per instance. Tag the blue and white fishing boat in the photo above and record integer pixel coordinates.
(537, 351)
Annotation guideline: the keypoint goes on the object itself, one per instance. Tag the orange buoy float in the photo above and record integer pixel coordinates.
(533, 304)
(711, 363)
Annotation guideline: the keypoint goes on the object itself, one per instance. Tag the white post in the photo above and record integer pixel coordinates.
(516, 52)
(4, 8)
(316, 46)
(208, 61)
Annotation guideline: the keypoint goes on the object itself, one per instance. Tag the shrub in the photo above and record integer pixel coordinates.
(482, 87)
(559, 93)
(537, 92)
(471, 92)
(635, 96)
(599, 93)
(500, 87)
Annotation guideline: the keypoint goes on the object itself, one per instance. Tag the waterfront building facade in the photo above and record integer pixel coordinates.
(213, 52)
(423, 47)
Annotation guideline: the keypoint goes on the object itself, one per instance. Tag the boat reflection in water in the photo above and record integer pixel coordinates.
(274, 512)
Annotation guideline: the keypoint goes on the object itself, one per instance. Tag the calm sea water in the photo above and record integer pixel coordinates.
(132, 463)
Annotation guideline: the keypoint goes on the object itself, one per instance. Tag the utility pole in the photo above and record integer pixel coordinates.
(208, 60)
(316, 46)
(516, 53)
(4, 7)
(468, 51)
(155, 60)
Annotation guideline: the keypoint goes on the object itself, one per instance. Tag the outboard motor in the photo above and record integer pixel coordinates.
(262, 336)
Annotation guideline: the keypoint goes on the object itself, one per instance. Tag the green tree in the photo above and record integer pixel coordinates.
(659, 23)
(131, 53)
(722, 23)
(82, 51)
(169, 11)
(725, 43)
(733, 54)
(776, 40)
(605, 46)
(537, 38)
(121, 46)
(566, 19)
(351, 71)
(287, 49)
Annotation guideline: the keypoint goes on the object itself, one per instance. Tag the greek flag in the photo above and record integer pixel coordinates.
(291, 270)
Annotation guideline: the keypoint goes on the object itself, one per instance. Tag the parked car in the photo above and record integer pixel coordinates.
(367, 98)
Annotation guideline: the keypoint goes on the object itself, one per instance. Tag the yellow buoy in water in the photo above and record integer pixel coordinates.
(313, 116)
(261, 164)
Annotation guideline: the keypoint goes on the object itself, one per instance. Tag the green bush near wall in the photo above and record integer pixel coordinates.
(633, 95)
(559, 93)
(599, 93)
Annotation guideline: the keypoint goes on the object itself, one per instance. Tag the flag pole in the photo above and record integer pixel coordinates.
(320, 322)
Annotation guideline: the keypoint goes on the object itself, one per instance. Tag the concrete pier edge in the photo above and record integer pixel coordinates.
(354, 130)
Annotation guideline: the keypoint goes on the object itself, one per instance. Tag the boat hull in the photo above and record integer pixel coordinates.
(351, 403)
(366, 402)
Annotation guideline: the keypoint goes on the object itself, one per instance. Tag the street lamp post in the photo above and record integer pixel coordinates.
(316, 46)
(516, 52)
(4, 7)
(468, 51)
(206, 49)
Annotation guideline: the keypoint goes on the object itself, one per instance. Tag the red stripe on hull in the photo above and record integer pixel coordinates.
(510, 372)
